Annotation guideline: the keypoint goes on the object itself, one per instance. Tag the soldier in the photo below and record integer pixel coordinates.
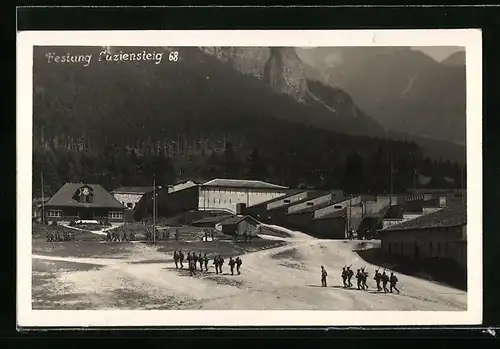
(132, 236)
(350, 274)
(205, 259)
(181, 259)
(195, 260)
(393, 281)
(176, 260)
(378, 278)
(324, 274)
(385, 280)
(124, 236)
(359, 277)
(245, 237)
(216, 263)
(231, 265)
(177, 234)
(200, 260)
(364, 275)
(344, 277)
(212, 234)
(239, 262)
(221, 263)
(192, 267)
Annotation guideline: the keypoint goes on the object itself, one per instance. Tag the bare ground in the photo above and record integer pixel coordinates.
(279, 278)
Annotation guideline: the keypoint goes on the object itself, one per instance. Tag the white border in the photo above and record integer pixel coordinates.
(471, 39)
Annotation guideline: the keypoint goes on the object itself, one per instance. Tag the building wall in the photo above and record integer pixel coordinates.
(247, 226)
(287, 201)
(314, 202)
(214, 198)
(300, 221)
(68, 214)
(355, 217)
(129, 200)
(441, 242)
(337, 207)
(329, 228)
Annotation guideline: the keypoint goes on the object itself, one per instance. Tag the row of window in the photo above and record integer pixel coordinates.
(240, 192)
(434, 249)
(59, 213)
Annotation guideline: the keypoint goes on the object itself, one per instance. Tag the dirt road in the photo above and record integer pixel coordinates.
(282, 278)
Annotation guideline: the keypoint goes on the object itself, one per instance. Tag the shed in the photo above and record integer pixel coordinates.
(239, 225)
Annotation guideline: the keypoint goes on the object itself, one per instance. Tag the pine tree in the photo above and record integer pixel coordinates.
(256, 168)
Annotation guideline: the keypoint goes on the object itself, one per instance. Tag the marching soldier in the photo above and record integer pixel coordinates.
(216, 263)
(350, 274)
(181, 259)
(324, 274)
(364, 278)
(124, 236)
(239, 262)
(176, 260)
(359, 277)
(189, 259)
(378, 278)
(205, 259)
(393, 281)
(177, 234)
(200, 260)
(221, 263)
(344, 277)
(231, 265)
(385, 280)
(195, 260)
(212, 234)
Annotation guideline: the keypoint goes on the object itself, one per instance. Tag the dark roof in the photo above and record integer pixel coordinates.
(236, 219)
(102, 198)
(290, 192)
(313, 208)
(241, 183)
(214, 219)
(394, 212)
(134, 190)
(446, 217)
(311, 196)
(335, 214)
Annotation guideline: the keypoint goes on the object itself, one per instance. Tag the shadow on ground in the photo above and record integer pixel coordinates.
(439, 270)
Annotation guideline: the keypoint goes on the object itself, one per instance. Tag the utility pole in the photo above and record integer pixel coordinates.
(414, 181)
(390, 183)
(43, 199)
(154, 208)
(350, 216)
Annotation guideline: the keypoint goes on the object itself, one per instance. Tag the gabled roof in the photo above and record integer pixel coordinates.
(446, 217)
(313, 208)
(214, 219)
(102, 198)
(133, 190)
(241, 183)
(236, 219)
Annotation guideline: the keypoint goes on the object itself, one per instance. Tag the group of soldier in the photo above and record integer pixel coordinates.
(381, 279)
(194, 260)
(58, 237)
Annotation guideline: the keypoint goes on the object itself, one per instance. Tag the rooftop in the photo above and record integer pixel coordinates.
(335, 214)
(214, 219)
(236, 219)
(290, 192)
(241, 183)
(314, 194)
(102, 198)
(446, 217)
(133, 190)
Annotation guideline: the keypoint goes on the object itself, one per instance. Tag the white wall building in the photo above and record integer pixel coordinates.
(225, 194)
(130, 196)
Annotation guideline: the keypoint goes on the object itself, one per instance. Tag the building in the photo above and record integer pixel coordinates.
(182, 185)
(239, 225)
(442, 235)
(130, 196)
(225, 194)
(76, 201)
(209, 222)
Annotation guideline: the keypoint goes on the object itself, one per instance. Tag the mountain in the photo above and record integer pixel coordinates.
(404, 90)
(456, 59)
(202, 116)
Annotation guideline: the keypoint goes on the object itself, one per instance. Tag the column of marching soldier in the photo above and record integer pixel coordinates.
(194, 259)
(362, 276)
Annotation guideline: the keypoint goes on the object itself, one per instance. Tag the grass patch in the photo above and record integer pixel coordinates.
(290, 254)
(273, 232)
(81, 248)
(292, 265)
(62, 266)
(226, 281)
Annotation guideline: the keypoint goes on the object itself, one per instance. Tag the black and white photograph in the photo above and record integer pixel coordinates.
(335, 173)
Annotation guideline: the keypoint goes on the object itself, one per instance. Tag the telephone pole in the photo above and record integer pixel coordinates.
(154, 209)
(43, 199)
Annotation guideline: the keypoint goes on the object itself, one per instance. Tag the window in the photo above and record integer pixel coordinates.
(130, 205)
(229, 200)
(115, 215)
(55, 213)
(286, 201)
